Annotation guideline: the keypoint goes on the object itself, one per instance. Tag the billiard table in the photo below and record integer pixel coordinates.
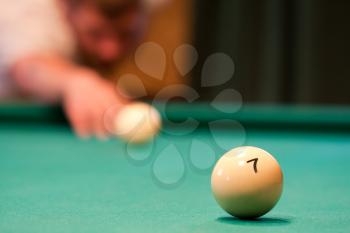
(52, 181)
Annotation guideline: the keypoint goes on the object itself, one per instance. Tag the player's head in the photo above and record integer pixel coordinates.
(106, 29)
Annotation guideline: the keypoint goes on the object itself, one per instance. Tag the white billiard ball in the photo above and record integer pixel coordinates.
(137, 122)
(247, 182)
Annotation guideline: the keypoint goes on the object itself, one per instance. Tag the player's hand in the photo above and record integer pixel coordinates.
(86, 97)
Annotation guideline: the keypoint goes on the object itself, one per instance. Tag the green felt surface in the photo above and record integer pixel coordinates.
(50, 181)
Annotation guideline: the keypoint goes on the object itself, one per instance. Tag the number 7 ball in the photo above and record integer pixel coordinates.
(247, 182)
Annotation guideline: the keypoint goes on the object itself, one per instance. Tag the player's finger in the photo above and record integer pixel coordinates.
(98, 123)
(110, 105)
(100, 110)
(79, 121)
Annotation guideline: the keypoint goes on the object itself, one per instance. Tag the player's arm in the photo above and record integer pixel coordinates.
(84, 94)
(42, 76)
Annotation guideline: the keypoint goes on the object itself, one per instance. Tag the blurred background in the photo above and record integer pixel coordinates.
(290, 51)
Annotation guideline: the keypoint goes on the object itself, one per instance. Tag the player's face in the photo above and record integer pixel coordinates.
(106, 39)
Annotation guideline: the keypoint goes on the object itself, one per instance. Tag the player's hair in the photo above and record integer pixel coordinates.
(109, 8)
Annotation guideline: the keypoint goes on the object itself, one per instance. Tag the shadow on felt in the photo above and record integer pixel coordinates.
(263, 221)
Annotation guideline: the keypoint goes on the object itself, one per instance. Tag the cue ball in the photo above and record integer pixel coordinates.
(137, 122)
(247, 182)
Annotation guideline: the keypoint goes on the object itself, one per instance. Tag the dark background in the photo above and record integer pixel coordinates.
(291, 51)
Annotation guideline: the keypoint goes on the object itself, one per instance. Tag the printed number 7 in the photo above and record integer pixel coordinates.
(254, 164)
